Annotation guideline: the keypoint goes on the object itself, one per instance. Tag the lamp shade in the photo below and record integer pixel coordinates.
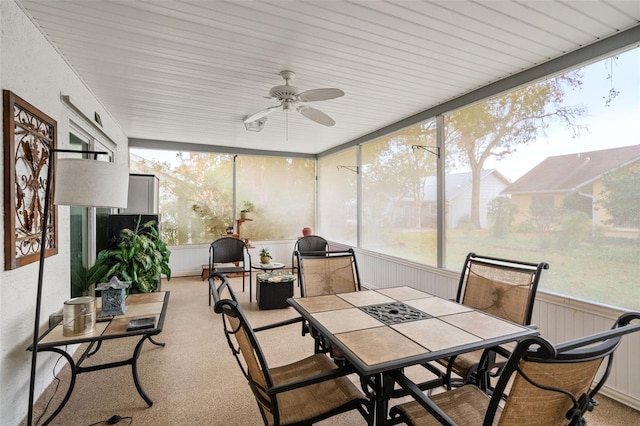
(91, 183)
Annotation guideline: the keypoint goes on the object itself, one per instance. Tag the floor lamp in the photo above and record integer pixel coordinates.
(78, 182)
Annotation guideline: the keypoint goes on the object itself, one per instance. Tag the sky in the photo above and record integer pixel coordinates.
(610, 126)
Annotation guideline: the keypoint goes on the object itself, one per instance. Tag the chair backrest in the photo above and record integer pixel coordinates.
(501, 287)
(311, 243)
(246, 349)
(551, 384)
(328, 272)
(308, 244)
(227, 250)
(220, 288)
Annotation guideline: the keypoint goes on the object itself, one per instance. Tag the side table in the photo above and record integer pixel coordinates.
(267, 266)
(273, 289)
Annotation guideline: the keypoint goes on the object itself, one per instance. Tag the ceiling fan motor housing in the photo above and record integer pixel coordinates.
(284, 93)
(290, 96)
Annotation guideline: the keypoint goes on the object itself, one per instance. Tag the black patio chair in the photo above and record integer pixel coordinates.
(544, 385)
(326, 272)
(306, 244)
(501, 287)
(300, 393)
(229, 255)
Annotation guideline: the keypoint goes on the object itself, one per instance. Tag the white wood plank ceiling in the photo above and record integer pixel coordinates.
(189, 71)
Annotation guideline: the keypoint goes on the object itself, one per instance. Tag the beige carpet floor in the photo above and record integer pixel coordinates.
(194, 379)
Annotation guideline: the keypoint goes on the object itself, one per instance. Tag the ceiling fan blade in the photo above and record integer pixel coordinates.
(316, 115)
(260, 114)
(315, 95)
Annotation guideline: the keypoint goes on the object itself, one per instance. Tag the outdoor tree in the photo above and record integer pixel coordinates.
(196, 195)
(502, 211)
(498, 126)
(196, 192)
(398, 170)
(282, 190)
(621, 197)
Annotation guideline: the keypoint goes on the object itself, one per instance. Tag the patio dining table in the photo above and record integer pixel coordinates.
(384, 330)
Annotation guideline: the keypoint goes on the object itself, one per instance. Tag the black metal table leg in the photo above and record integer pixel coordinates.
(134, 370)
(76, 369)
(98, 346)
(381, 399)
(161, 344)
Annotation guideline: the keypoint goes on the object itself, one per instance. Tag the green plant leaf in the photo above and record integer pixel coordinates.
(140, 257)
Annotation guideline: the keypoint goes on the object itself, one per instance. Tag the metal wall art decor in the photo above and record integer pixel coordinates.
(29, 137)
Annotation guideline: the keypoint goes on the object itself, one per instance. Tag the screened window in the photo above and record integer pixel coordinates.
(283, 193)
(398, 188)
(550, 172)
(197, 194)
(338, 197)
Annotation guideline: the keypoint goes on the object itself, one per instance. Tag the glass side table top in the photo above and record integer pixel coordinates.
(267, 266)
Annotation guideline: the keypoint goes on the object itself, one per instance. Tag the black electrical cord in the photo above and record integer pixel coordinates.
(57, 380)
(114, 420)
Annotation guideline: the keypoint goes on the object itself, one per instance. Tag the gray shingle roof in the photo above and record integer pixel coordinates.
(572, 171)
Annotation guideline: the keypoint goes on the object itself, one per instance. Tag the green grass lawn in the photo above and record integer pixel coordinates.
(600, 270)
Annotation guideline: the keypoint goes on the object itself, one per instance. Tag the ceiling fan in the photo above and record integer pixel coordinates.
(291, 97)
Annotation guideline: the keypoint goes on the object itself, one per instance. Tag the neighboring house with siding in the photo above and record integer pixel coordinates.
(545, 186)
(458, 199)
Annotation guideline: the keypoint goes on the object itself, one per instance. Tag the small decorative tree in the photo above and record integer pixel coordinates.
(265, 256)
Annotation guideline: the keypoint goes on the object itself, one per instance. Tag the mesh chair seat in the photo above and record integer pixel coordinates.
(300, 393)
(312, 401)
(229, 269)
(466, 406)
(465, 365)
(551, 385)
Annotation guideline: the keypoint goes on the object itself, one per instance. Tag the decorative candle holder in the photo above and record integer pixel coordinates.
(113, 297)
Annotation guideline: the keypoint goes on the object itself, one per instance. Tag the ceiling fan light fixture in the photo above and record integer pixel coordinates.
(254, 126)
(290, 97)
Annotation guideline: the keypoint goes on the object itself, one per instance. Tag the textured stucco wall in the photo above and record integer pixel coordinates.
(33, 70)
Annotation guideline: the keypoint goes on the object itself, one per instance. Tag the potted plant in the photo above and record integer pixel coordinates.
(140, 257)
(265, 256)
(247, 207)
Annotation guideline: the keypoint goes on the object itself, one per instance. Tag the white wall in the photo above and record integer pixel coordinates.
(33, 70)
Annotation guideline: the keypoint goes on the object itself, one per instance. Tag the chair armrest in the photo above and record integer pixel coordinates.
(500, 350)
(278, 324)
(414, 391)
(321, 377)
